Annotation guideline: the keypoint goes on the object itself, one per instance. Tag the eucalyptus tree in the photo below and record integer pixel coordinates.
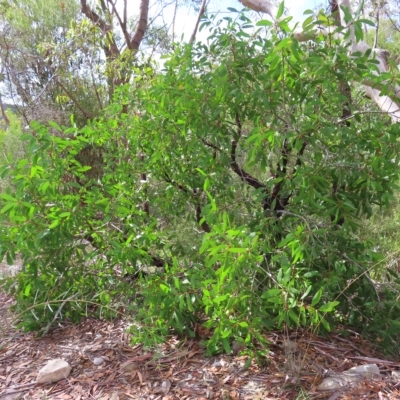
(28, 70)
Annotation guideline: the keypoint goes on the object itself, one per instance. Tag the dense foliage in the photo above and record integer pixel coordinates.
(239, 173)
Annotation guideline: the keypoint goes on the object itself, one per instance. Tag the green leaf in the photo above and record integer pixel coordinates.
(7, 207)
(272, 293)
(26, 137)
(347, 16)
(281, 9)
(237, 250)
(227, 347)
(316, 298)
(6, 196)
(164, 288)
(55, 125)
(367, 22)
(43, 187)
(54, 224)
(220, 299)
(4, 171)
(264, 22)
(10, 258)
(305, 294)
(325, 324)
(201, 172)
(130, 238)
(294, 317)
(27, 290)
(358, 31)
(329, 307)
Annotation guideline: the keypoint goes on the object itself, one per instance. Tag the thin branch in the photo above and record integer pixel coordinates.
(76, 102)
(377, 26)
(94, 85)
(196, 27)
(58, 313)
(173, 21)
(3, 113)
(103, 26)
(281, 203)
(209, 144)
(94, 17)
(204, 225)
(393, 23)
(121, 22)
(244, 176)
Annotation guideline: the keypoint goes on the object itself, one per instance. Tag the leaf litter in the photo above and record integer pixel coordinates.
(179, 370)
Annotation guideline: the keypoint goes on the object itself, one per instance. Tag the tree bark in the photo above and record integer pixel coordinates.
(201, 13)
(3, 113)
(132, 42)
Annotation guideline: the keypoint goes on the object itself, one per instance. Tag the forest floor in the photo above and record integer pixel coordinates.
(179, 369)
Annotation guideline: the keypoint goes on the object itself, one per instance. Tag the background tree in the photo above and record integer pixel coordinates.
(63, 58)
(351, 33)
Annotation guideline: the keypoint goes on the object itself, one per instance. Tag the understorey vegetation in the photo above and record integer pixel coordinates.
(226, 191)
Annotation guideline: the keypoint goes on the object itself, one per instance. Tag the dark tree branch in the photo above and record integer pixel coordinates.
(122, 23)
(206, 228)
(281, 202)
(244, 176)
(209, 144)
(300, 155)
(113, 50)
(393, 23)
(94, 17)
(137, 37)
(125, 13)
(177, 185)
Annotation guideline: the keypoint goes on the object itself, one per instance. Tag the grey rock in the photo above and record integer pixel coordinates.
(98, 360)
(54, 371)
(366, 371)
(350, 377)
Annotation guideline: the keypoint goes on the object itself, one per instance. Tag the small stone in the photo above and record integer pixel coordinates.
(367, 370)
(98, 360)
(54, 371)
(396, 375)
